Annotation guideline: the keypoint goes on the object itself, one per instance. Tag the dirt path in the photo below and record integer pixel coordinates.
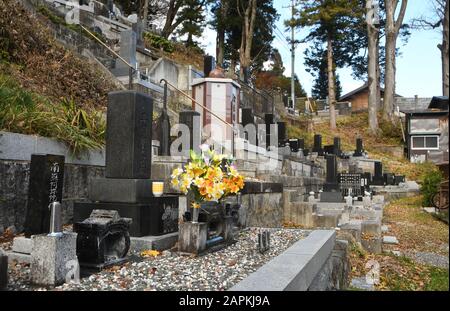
(419, 261)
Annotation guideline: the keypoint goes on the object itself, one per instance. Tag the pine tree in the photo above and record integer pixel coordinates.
(330, 21)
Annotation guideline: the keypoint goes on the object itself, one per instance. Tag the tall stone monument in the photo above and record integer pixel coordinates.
(45, 187)
(127, 187)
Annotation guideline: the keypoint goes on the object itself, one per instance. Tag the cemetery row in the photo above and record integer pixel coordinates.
(127, 209)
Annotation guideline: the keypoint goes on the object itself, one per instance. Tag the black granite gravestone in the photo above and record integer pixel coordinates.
(130, 193)
(368, 179)
(378, 178)
(128, 135)
(282, 135)
(192, 120)
(328, 149)
(209, 64)
(45, 187)
(293, 144)
(399, 179)
(331, 177)
(3, 270)
(247, 116)
(337, 146)
(164, 124)
(389, 179)
(318, 144)
(301, 143)
(359, 148)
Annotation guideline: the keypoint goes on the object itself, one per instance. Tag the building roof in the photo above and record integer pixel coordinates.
(437, 106)
(439, 102)
(359, 90)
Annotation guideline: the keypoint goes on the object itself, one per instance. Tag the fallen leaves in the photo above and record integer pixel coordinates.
(416, 231)
(150, 253)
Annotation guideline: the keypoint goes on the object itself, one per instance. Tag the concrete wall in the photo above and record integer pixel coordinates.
(14, 180)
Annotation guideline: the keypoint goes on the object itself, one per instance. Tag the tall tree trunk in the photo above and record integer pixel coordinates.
(171, 22)
(372, 34)
(331, 82)
(378, 81)
(444, 52)
(248, 25)
(145, 13)
(220, 44)
(392, 29)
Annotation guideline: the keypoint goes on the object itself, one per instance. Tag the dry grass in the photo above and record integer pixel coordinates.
(416, 231)
(351, 127)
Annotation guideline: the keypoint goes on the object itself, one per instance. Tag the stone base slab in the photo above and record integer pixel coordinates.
(160, 243)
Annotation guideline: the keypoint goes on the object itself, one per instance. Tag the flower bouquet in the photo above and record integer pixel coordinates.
(208, 177)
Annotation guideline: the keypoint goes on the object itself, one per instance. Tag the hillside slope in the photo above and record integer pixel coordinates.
(39, 64)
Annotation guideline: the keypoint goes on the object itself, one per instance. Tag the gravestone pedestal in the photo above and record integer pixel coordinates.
(192, 237)
(53, 258)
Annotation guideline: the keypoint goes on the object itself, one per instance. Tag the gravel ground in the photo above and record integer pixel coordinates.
(170, 271)
(432, 259)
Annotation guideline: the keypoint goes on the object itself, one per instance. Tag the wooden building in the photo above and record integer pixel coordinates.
(427, 132)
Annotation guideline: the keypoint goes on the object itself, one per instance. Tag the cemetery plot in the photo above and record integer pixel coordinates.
(170, 271)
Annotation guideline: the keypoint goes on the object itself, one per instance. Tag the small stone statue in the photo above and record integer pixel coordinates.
(311, 198)
(367, 202)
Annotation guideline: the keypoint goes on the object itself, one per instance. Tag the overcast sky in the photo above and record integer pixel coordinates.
(418, 68)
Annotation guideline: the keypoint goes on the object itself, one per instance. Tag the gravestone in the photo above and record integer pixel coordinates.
(138, 28)
(209, 64)
(3, 270)
(45, 187)
(164, 126)
(399, 179)
(331, 187)
(337, 146)
(318, 144)
(389, 179)
(331, 176)
(293, 144)
(191, 119)
(359, 148)
(127, 186)
(282, 135)
(128, 135)
(247, 116)
(301, 143)
(128, 42)
(378, 178)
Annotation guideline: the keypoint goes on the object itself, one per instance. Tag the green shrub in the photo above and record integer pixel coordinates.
(159, 42)
(430, 185)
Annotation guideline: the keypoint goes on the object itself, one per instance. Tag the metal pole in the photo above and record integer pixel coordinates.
(293, 58)
(130, 78)
(55, 219)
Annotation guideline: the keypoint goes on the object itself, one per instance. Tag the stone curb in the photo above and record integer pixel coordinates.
(295, 268)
